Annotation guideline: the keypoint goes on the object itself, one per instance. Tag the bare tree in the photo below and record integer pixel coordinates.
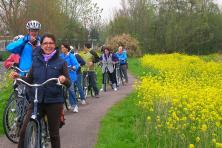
(11, 15)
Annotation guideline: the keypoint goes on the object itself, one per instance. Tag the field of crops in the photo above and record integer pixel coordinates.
(183, 101)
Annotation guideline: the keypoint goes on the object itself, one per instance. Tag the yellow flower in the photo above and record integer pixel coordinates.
(148, 119)
(214, 140)
(204, 128)
(198, 139)
(191, 146)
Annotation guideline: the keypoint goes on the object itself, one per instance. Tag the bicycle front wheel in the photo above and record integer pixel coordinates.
(32, 135)
(10, 119)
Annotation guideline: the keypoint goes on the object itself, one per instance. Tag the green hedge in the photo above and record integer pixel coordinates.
(4, 55)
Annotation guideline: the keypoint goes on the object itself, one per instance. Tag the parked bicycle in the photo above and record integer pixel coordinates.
(15, 110)
(37, 134)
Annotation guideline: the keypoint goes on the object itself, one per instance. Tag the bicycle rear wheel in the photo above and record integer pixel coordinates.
(85, 86)
(66, 100)
(32, 135)
(105, 81)
(11, 124)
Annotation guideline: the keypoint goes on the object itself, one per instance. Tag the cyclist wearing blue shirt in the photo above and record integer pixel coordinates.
(73, 67)
(78, 82)
(24, 46)
(122, 58)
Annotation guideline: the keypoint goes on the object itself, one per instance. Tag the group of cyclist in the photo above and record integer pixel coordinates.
(43, 60)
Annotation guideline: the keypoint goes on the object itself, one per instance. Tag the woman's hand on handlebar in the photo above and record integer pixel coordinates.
(62, 79)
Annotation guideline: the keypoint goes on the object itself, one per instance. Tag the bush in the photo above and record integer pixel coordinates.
(4, 55)
(127, 41)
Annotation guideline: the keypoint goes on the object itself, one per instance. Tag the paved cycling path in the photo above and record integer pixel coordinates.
(81, 128)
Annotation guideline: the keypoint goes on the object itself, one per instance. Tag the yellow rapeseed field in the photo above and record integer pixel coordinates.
(183, 101)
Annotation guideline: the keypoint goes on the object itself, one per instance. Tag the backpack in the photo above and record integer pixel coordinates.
(13, 59)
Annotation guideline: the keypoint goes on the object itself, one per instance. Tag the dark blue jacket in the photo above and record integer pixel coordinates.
(80, 61)
(41, 71)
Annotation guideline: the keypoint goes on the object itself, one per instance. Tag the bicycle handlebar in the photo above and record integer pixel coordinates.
(18, 69)
(38, 85)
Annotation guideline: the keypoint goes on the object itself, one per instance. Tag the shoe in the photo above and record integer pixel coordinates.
(114, 87)
(83, 102)
(75, 110)
(102, 89)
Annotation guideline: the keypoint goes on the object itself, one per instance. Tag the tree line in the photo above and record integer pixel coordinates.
(187, 26)
(75, 20)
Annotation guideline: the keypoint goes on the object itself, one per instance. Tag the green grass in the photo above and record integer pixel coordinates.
(123, 125)
(5, 91)
(137, 70)
(118, 126)
(4, 95)
(211, 57)
(4, 55)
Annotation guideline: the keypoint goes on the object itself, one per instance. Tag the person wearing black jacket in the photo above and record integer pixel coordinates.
(47, 64)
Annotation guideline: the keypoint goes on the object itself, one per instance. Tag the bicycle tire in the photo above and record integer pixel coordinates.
(85, 86)
(32, 135)
(65, 95)
(105, 81)
(11, 129)
(121, 76)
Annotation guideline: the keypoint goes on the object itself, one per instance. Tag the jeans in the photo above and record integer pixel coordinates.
(72, 95)
(79, 86)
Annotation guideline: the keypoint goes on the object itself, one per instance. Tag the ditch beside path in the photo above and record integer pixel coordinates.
(81, 129)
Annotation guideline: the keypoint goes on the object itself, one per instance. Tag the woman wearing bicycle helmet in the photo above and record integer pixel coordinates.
(25, 46)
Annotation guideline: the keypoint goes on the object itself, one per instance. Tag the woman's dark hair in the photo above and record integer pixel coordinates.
(48, 35)
(66, 45)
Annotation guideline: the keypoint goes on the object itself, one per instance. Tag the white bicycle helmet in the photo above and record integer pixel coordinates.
(18, 37)
(71, 47)
(33, 24)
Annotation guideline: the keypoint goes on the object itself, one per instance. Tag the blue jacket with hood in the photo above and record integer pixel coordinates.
(71, 61)
(24, 48)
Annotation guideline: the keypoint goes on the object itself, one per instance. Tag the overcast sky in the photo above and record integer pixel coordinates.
(110, 5)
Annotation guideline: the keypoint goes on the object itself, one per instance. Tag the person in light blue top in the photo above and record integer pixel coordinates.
(73, 66)
(122, 59)
(24, 46)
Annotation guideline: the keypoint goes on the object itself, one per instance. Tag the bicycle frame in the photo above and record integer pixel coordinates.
(86, 84)
(38, 120)
(119, 74)
(105, 79)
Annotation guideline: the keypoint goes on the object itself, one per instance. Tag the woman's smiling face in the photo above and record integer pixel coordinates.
(48, 45)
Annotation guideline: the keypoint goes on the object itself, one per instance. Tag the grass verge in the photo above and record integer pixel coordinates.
(118, 126)
(122, 126)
